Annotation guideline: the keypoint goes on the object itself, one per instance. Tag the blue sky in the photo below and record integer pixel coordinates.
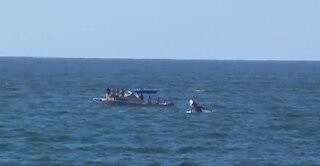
(169, 29)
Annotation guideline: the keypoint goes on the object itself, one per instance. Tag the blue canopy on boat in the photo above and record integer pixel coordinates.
(145, 90)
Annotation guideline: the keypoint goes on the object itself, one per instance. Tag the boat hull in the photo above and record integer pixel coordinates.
(112, 102)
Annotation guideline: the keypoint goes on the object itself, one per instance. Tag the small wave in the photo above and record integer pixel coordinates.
(200, 90)
(209, 111)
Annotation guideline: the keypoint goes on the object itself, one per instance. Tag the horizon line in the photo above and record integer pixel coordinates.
(177, 59)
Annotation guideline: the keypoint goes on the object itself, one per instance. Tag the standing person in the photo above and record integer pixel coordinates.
(113, 92)
(194, 107)
(149, 99)
(108, 93)
(118, 92)
(122, 92)
(141, 97)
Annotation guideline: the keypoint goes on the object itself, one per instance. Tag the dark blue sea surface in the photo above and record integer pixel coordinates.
(266, 113)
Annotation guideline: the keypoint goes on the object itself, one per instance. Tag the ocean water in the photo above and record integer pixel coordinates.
(266, 113)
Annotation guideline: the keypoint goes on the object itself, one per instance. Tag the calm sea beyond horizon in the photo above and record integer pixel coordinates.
(263, 112)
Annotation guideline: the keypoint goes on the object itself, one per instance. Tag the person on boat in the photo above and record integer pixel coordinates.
(121, 92)
(141, 97)
(194, 107)
(108, 93)
(113, 93)
(118, 92)
(149, 99)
